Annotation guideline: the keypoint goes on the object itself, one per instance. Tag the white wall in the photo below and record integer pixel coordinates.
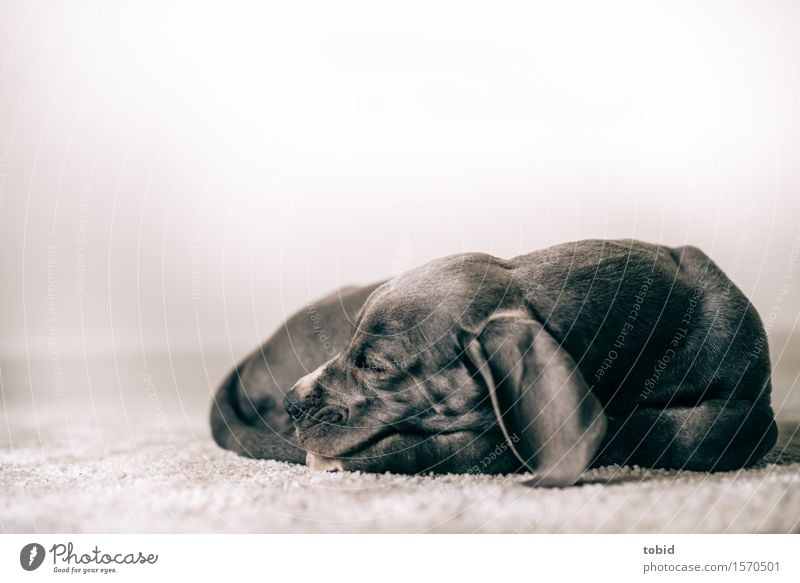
(184, 175)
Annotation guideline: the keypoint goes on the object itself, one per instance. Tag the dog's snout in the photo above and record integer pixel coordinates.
(295, 400)
(292, 404)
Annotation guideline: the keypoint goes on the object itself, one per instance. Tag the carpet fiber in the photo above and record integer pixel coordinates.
(85, 464)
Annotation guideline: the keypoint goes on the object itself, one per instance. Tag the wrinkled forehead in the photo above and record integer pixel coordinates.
(400, 328)
(401, 305)
(430, 299)
(391, 316)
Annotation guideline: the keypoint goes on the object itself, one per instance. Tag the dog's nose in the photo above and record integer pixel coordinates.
(291, 402)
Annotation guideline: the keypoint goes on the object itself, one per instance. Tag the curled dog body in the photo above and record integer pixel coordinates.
(587, 353)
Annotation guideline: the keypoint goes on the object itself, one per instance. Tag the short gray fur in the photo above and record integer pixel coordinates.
(660, 361)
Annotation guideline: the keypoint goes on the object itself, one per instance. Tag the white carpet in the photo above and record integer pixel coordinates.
(83, 463)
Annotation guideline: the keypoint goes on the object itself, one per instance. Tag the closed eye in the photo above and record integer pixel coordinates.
(364, 363)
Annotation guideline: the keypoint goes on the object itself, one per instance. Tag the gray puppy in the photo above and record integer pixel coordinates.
(587, 353)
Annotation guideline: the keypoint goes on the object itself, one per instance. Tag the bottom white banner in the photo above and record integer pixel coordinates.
(352, 558)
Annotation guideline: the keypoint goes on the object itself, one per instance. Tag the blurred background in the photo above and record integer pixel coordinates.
(178, 177)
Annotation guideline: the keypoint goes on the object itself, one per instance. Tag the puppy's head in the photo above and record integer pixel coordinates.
(444, 373)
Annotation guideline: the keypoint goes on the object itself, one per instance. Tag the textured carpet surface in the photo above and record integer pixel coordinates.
(134, 455)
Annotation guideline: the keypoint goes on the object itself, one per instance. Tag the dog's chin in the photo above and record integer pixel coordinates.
(410, 453)
(322, 457)
(332, 451)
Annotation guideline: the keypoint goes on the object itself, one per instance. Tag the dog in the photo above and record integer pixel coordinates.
(585, 354)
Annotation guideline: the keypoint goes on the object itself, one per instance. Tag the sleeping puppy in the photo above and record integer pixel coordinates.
(588, 353)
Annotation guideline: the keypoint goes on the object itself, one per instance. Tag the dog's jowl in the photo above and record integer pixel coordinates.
(588, 353)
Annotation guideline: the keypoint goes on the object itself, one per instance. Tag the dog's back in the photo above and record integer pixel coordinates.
(649, 324)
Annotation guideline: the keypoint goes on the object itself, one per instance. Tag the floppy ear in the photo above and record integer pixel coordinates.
(549, 417)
